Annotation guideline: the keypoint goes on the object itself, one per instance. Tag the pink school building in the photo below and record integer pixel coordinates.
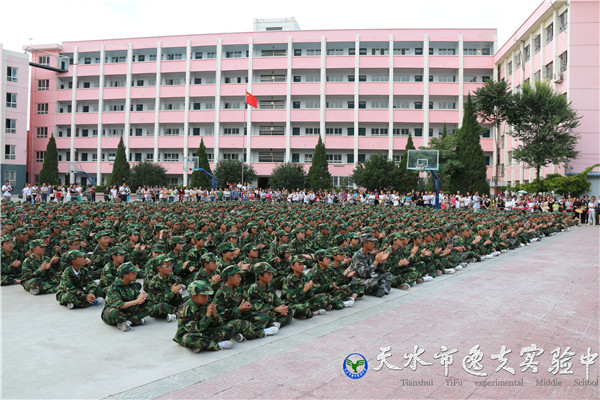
(362, 91)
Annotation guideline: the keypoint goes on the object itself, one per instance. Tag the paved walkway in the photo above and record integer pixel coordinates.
(544, 294)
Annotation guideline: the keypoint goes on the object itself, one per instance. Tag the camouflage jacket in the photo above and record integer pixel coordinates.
(323, 280)
(202, 275)
(78, 285)
(7, 260)
(31, 269)
(108, 276)
(159, 291)
(120, 293)
(263, 299)
(363, 266)
(293, 290)
(192, 319)
(228, 301)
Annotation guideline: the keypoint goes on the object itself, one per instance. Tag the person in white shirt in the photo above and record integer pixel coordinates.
(7, 190)
(476, 202)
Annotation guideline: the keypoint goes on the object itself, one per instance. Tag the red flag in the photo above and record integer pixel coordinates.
(251, 100)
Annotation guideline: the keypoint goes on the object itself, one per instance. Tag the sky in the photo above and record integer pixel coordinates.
(47, 22)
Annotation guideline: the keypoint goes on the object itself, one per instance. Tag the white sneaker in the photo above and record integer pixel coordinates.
(458, 268)
(238, 337)
(225, 344)
(503, 251)
(319, 312)
(271, 331)
(100, 300)
(522, 245)
(276, 324)
(141, 322)
(34, 291)
(427, 278)
(124, 326)
(348, 303)
(171, 317)
(450, 270)
(70, 306)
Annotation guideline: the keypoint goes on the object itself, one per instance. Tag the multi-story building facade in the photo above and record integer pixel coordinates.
(362, 91)
(560, 43)
(13, 114)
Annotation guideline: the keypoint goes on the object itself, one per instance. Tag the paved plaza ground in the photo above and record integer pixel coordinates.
(545, 294)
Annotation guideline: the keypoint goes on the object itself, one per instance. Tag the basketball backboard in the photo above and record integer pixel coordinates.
(423, 160)
(192, 163)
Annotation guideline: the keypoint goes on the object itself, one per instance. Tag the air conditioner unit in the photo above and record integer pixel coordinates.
(558, 78)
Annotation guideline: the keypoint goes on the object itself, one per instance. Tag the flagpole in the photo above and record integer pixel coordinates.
(244, 136)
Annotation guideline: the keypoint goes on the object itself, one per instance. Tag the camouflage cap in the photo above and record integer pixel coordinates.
(200, 236)
(321, 254)
(230, 271)
(38, 242)
(324, 226)
(225, 247)
(6, 238)
(44, 233)
(334, 251)
(162, 259)
(29, 226)
(250, 246)
(199, 287)
(73, 254)
(127, 268)
(285, 248)
(20, 231)
(480, 227)
(229, 235)
(158, 248)
(351, 236)
(416, 234)
(397, 235)
(262, 267)
(367, 237)
(208, 257)
(298, 229)
(117, 250)
(281, 233)
(102, 233)
(177, 240)
(295, 259)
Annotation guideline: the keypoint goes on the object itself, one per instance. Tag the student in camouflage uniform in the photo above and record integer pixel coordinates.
(195, 254)
(298, 294)
(199, 326)
(247, 264)
(150, 267)
(263, 298)
(281, 265)
(398, 263)
(11, 264)
(323, 278)
(182, 268)
(38, 275)
(126, 304)
(164, 293)
(231, 304)
(208, 272)
(77, 289)
(100, 256)
(369, 268)
(109, 272)
(343, 273)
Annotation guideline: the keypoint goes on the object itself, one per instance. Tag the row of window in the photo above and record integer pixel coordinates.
(451, 48)
(548, 68)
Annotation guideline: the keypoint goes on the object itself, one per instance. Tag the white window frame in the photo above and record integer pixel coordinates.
(10, 152)
(11, 74)
(11, 100)
(41, 132)
(10, 125)
(39, 156)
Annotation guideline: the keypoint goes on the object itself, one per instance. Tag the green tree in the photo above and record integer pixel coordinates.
(409, 179)
(121, 169)
(230, 172)
(49, 172)
(147, 173)
(377, 173)
(450, 167)
(318, 175)
(199, 178)
(288, 176)
(493, 105)
(470, 154)
(543, 122)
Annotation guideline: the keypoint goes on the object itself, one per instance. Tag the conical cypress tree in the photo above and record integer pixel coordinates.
(318, 175)
(121, 169)
(470, 154)
(408, 178)
(49, 172)
(199, 177)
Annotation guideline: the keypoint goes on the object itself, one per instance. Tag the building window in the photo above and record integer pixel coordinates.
(10, 125)
(527, 51)
(313, 52)
(362, 131)
(362, 158)
(312, 131)
(486, 134)
(11, 100)
(11, 176)
(549, 33)
(273, 130)
(42, 108)
(419, 51)
(518, 59)
(272, 78)
(296, 157)
(509, 68)
(401, 131)
(537, 44)
(273, 53)
(10, 152)
(296, 131)
(380, 104)
(350, 158)
(231, 131)
(548, 70)
(334, 78)
(563, 61)
(418, 105)
(39, 156)
(11, 74)
(446, 52)
(446, 78)
(231, 156)
(171, 157)
(537, 75)
(41, 132)
(308, 158)
(562, 19)
(43, 84)
(402, 105)
(271, 156)
(334, 158)
(379, 131)
(44, 60)
(418, 78)
(418, 132)
(447, 105)
(236, 105)
(333, 131)
(334, 104)
(402, 51)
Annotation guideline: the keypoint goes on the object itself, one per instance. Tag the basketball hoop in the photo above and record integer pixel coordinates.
(420, 167)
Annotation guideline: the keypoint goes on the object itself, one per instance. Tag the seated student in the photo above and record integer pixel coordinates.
(77, 289)
(11, 264)
(340, 264)
(109, 272)
(38, 275)
(298, 293)
(323, 277)
(232, 305)
(126, 304)
(199, 327)
(164, 293)
(369, 268)
(264, 299)
(208, 271)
